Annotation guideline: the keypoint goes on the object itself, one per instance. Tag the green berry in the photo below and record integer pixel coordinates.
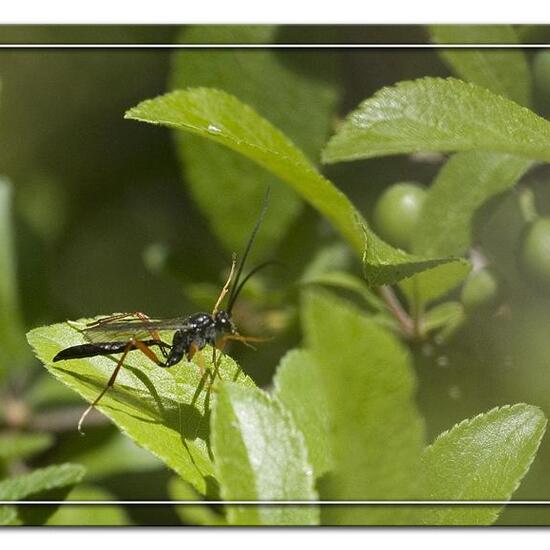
(535, 252)
(480, 290)
(397, 212)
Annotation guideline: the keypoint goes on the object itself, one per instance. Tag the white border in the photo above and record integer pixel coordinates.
(280, 12)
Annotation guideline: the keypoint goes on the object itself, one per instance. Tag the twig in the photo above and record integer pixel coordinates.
(396, 309)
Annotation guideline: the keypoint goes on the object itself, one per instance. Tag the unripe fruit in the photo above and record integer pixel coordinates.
(535, 252)
(397, 212)
(480, 290)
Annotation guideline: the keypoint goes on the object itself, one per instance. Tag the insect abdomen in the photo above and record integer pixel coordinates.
(91, 350)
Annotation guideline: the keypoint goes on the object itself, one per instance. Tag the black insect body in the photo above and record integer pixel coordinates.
(192, 335)
(103, 348)
(127, 332)
(201, 329)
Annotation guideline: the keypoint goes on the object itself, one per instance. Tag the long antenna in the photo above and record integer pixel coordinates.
(236, 287)
(245, 279)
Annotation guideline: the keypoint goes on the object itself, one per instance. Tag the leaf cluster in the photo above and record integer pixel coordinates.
(341, 421)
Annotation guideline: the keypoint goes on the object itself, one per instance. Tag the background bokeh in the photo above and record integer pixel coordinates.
(108, 215)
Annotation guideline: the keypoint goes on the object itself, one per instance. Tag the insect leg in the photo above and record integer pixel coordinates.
(193, 348)
(244, 339)
(142, 346)
(216, 360)
(146, 350)
(109, 384)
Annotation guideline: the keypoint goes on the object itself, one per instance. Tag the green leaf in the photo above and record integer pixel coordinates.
(383, 265)
(222, 118)
(41, 481)
(437, 114)
(166, 411)
(483, 458)
(376, 432)
(298, 387)
(84, 515)
(346, 281)
(8, 515)
(330, 267)
(329, 258)
(442, 315)
(23, 445)
(13, 348)
(270, 81)
(465, 183)
(503, 71)
(445, 225)
(201, 513)
(428, 286)
(261, 455)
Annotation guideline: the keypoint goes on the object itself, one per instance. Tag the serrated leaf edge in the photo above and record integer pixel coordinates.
(386, 91)
(467, 422)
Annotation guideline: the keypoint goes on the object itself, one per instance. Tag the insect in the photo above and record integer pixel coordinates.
(127, 332)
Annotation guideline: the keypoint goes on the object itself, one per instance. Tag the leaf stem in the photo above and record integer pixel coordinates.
(417, 312)
(396, 309)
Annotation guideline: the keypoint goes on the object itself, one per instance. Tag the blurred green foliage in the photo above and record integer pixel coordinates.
(98, 215)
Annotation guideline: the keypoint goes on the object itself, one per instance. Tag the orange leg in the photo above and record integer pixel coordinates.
(193, 348)
(244, 339)
(146, 350)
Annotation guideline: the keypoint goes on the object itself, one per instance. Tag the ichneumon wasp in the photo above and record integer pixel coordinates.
(127, 332)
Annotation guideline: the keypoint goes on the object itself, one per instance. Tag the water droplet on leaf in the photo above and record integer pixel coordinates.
(214, 129)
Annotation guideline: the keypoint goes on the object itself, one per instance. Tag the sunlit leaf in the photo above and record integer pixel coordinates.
(376, 432)
(298, 386)
(166, 411)
(261, 455)
(504, 71)
(223, 118)
(483, 458)
(439, 114)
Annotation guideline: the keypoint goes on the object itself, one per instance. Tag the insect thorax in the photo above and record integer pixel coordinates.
(200, 321)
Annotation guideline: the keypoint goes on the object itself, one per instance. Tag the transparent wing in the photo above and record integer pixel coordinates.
(115, 331)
